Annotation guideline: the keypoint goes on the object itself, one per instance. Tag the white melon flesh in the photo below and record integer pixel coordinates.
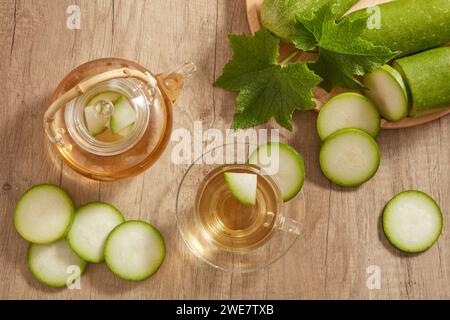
(385, 86)
(348, 110)
(55, 264)
(123, 116)
(282, 162)
(243, 186)
(412, 221)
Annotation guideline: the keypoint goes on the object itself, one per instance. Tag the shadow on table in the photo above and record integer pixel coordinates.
(392, 250)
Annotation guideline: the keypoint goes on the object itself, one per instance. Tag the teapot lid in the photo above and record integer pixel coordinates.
(112, 116)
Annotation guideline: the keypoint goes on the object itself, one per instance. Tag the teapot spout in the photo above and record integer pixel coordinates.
(173, 82)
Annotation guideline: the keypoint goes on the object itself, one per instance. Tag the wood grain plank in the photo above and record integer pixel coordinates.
(92, 41)
(29, 73)
(231, 19)
(407, 164)
(295, 275)
(165, 35)
(341, 235)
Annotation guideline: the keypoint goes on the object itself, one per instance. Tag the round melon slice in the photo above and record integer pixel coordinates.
(412, 221)
(348, 110)
(43, 214)
(349, 157)
(55, 264)
(91, 226)
(134, 250)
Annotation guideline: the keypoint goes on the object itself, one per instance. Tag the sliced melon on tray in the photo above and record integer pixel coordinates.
(282, 162)
(242, 186)
(349, 157)
(43, 213)
(123, 116)
(348, 110)
(385, 86)
(91, 226)
(427, 77)
(134, 250)
(55, 264)
(412, 221)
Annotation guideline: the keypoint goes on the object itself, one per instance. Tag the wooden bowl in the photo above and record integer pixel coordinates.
(322, 96)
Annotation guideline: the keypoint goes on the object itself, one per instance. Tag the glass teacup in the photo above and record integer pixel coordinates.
(226, 233)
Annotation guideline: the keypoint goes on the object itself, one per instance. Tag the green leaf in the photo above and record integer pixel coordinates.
(279, 16)
(251, 55)
(303, 39)
(340, 7)
(277, 93)
(343, 54)
(266, 89)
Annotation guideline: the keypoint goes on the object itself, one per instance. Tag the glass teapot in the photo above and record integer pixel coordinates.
(112, 118)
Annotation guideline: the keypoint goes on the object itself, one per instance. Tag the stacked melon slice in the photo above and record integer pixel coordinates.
(349, 122)
(63, 240)
(349, 156)
(348, 125)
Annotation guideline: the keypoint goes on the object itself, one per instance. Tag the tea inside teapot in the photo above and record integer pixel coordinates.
(114, 122)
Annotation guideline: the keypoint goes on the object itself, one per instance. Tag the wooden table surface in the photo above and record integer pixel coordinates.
(341, 236)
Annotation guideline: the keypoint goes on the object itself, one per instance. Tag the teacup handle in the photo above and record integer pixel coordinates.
(84, 86)
(288, 225)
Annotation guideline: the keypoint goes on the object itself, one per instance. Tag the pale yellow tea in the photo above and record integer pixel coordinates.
(229, 223)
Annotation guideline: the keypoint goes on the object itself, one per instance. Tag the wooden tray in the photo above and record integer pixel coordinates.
(253, 11)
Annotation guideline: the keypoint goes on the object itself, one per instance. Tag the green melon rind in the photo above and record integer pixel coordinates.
(397, 80)
(156, 265)
(100, 124)
(66, 197)
(409, 26)
(72, 241)
(280, 16)
(291, 152)
(387, 230)
(37, 276)
(123, 115)
(230, 181)
(342, 183)
(324, 110)
(427, 77)
(108, 95)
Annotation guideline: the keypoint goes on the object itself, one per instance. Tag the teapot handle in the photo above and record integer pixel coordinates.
(84, 86)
